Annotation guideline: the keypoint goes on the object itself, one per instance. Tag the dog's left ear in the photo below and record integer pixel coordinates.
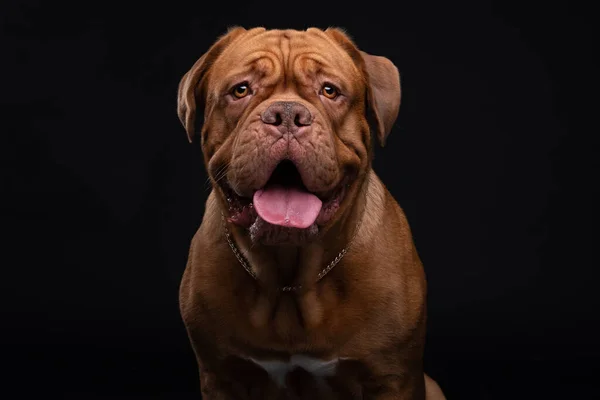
(383, 84)
(384, 92)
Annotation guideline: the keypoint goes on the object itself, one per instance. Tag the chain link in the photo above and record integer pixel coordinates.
(294, 288)
(236, 252)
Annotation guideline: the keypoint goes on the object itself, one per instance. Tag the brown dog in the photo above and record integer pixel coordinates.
(303, 280)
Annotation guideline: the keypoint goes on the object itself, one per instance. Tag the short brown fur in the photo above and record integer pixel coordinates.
(370, 309)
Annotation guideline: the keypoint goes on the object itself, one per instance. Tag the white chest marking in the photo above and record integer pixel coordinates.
(278, 370)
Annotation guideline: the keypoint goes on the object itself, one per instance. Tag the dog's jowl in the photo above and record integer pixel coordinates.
(302, 280)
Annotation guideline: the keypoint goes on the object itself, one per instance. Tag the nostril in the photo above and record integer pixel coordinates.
(301, 120)
(278, 119)
(272, 117)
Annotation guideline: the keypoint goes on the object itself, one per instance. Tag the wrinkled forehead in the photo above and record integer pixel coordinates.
(289, 52)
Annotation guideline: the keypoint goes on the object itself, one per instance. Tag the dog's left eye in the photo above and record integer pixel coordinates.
(329, 91)
(241, 90)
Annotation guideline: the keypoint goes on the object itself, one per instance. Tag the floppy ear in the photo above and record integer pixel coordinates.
(383, 84)
(384, 92)
(191, 96)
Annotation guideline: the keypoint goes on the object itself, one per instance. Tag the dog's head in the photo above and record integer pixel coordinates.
(286, 125)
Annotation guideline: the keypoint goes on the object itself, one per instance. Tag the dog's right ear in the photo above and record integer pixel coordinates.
(191, 96)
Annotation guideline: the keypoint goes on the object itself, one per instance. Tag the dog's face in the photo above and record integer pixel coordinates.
(286, 131)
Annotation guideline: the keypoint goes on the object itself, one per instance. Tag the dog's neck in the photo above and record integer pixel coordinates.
(287, 258)
(300, 265)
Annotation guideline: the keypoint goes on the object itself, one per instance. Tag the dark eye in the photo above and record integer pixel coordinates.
(241, 90)
(329, 91)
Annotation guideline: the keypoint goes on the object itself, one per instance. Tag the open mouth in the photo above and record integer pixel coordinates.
(284, 202)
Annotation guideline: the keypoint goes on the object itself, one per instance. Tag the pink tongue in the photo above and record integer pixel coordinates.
(290, 207)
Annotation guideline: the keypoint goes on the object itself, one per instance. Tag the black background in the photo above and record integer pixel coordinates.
(490, 158)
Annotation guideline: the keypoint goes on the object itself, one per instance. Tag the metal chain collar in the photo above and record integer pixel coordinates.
(294, 288)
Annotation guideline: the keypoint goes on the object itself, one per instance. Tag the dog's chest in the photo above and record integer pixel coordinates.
(318, 368)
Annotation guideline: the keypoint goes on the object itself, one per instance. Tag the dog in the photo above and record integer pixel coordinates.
(302, 280)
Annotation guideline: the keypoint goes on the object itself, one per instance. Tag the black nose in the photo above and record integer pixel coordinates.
(289, 114)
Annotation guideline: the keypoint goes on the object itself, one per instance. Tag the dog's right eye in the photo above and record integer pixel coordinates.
(240, 91)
